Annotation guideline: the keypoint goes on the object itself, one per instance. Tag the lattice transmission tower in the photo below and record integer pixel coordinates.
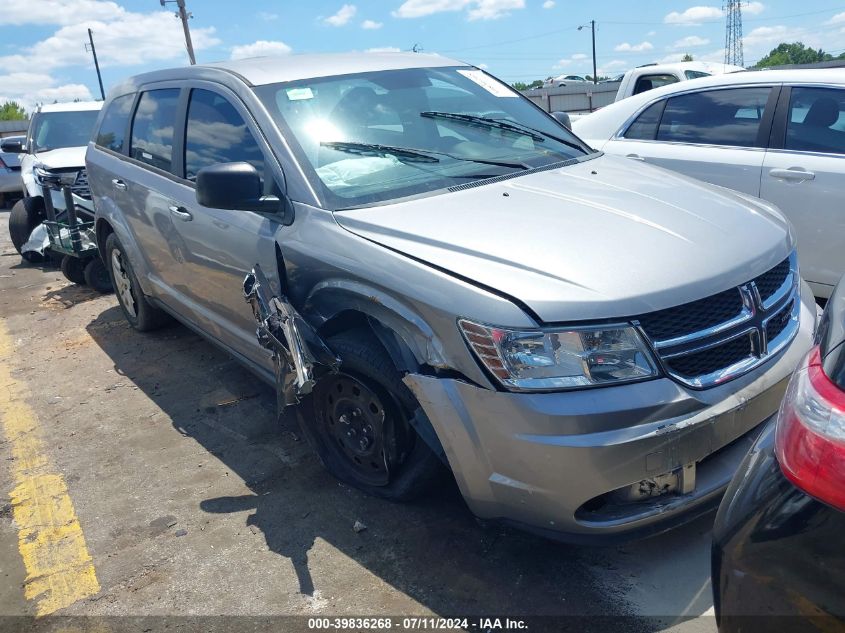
(733, 32)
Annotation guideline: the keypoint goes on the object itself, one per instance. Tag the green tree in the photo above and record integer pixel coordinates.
(795, 53)
(521, 85)
(12, 111)
(687, 58)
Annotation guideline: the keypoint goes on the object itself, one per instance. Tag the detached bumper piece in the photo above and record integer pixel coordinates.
(300, 357)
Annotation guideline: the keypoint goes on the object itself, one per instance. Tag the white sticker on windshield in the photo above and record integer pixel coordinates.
(488, 83)
(298, 94)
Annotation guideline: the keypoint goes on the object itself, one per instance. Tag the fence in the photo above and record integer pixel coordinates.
(13, 128)
(580, 97)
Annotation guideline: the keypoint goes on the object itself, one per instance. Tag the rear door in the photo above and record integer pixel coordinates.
(222, 246)
(716, 135)
(804, 175)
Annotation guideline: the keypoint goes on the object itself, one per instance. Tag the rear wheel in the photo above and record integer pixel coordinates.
(140, 313)
(360, 423)
(97, 275)
(25, 215)
(73, 269)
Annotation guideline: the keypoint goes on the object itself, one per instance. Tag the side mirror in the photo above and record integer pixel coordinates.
(563, 119)
(12, 146)
(236, 187)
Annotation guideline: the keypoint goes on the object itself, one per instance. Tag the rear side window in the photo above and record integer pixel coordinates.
(152, 128)
(216, 133)
(650, 82)
(644, 127)
(816, 120)
(716, 117)
(112, 130)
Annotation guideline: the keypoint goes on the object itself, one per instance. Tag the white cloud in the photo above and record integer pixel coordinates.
(267, 16)
(625, 47)
(29, 89)
(690, 42)
(562, 63)
(549, 4)
(131, 39)
(383, 49)
(651, 34)
(17, 12)
(578, 56)
(616, 64)
(839, 18)
(753, 8)
(260, 48)
(344, 14)
(482, 66)
(476, 9)
(371, 25)
(694, 15)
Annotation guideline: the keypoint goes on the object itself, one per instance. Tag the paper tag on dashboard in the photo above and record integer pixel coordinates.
(299, 94)
(488, 83)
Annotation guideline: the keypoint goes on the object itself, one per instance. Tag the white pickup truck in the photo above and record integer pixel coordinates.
(650, 76)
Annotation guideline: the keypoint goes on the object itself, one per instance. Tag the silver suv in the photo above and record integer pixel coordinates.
(445, 275)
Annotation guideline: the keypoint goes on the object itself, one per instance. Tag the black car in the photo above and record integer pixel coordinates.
(779, 539)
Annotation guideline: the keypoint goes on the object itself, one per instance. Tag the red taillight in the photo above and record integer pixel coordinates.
(810, 440)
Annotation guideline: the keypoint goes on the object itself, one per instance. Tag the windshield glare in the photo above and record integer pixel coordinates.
(55, 130)
(408, 109)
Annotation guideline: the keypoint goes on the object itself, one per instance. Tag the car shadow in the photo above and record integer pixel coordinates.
(432, 550)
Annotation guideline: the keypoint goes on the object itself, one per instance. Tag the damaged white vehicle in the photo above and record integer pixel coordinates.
(54, 153)
(443, 277)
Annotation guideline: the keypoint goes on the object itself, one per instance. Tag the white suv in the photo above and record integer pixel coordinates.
(55, 145)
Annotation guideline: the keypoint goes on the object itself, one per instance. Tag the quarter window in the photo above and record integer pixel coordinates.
(650, 82)
(216, 133)
(644, 127)
(152, 128)
(816, 120)
(716, 117)
(112, 130)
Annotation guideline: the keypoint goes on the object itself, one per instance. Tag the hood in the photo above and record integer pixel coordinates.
(607, 238)
(63, 158)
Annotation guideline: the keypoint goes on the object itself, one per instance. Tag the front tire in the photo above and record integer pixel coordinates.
(358, 421)
(140, 313)
(25, 215)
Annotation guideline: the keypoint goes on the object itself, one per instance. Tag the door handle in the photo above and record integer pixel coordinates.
(119, 184)
(180, 212)
(792, 174)
(634, 157)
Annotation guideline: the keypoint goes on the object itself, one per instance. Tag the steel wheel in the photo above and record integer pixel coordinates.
(123, 284)
(363, 430)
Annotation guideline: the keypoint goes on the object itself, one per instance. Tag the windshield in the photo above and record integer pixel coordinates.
(373, 137)
(55, 130)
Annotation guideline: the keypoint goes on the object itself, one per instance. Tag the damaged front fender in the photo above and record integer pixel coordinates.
(300, 356)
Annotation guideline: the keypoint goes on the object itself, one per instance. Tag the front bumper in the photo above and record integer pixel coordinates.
(549, 461)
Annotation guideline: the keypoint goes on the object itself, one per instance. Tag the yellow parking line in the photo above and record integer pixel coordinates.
(59, 568)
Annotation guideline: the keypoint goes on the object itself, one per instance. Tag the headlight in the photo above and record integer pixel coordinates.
(561, 359)
(46, 177)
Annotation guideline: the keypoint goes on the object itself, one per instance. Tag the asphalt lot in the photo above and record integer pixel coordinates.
(192, 499)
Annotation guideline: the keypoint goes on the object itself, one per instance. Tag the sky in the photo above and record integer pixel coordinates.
(43, 57)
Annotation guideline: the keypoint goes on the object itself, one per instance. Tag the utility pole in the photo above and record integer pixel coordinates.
(593, 28)
(184, 16)
(96, 63)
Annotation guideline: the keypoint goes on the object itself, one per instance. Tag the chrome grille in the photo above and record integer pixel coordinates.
(718, 338)
(80, 185)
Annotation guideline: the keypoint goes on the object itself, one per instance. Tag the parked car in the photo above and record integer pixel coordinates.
(779, 135)
(777, 548)
(10, 170)
(54, 147)
(650, 76)
(563, 80)
(449, 242)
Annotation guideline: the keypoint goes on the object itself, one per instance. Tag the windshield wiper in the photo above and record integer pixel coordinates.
(485, 121)
(511, 126)
(404, 154)
(410, 154)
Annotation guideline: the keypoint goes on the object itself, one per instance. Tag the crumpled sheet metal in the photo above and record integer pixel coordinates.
(38, 240)
(300, 357)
